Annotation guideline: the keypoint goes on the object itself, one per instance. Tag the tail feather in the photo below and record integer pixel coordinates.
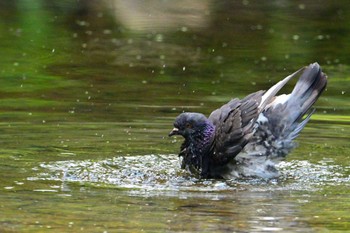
(295, 133)
(289, 116)
(305, 93)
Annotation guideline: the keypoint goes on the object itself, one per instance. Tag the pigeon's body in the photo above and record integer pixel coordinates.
(246, 138)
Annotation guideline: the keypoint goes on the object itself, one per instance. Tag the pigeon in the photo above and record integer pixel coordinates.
(248, 137)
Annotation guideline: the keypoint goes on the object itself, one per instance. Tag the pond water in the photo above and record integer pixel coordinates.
(89, 91)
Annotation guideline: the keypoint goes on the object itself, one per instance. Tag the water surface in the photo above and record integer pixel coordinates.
(89, 91)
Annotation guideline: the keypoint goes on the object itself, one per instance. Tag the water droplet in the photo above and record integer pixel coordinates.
(184, 68)
(159, 38)
(295, 37)
(107, 31)
(320, 37)
(82, 23)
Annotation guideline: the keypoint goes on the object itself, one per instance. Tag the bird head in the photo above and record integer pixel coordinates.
(188, 123)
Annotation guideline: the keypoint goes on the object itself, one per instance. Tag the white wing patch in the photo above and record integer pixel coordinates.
(262, 119)
(281, 99)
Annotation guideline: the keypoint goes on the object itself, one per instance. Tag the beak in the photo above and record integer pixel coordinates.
(175, 131)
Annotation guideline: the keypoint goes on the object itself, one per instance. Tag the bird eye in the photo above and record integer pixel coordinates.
(188, 125)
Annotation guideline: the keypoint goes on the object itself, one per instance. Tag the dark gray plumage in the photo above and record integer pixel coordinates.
(247, 137)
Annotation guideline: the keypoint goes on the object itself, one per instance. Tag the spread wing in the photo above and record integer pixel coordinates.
(234, 123)
(283, 118)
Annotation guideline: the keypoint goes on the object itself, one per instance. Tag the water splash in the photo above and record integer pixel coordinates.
(149, 174)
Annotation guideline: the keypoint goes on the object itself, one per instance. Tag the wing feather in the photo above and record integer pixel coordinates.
(234, 124)
(284, 117)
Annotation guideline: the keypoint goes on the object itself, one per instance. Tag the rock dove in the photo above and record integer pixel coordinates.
(248, 137)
